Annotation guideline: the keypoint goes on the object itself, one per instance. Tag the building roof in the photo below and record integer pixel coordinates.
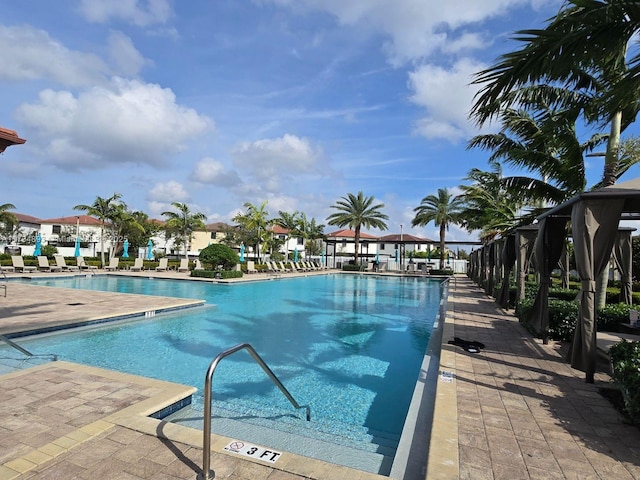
(8, 138)
(72, 220)
(217, 227)
(278, 230)
(23, 218)
(404, 238)
(346, 233)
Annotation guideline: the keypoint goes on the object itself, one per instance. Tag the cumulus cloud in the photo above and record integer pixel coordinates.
(168, 192)
(30, 54)
(126, 59)
(271, 160)
(138, 12)
(447, 97)
(414, 29)
(129, 122)
(213, 172)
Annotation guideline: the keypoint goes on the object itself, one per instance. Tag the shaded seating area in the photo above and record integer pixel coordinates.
(593, 218)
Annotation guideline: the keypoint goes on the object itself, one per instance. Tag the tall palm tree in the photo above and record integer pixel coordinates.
(255, 222)
(582, 49)
(356, 211)
(184, 223)
(289, 222)
(7, 218)
(442, 210)
(124, 225)
(103, 209)
(311, 231)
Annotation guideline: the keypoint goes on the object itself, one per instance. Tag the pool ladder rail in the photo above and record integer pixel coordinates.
(206, 473)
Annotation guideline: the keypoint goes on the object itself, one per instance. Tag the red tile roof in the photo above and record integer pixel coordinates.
(72, 220)
(27, 218)
(406, 238)
(8, 138)
(346, 233)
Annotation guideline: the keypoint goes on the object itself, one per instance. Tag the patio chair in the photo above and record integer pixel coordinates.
(163, 265)
(44, 266)
(18, 264)
(82, 264)
(60, 262)
(251, 267)
(138, 265)
(198, 265)
(7, 268)
(282, 267)
(184, 265)
(113, 264)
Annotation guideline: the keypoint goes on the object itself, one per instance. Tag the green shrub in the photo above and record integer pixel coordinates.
(563, 293)
(216, 274)
(612, 315)
(625, 368)
(437, 271)
(347, 267)
(48, 250)
(219, 254)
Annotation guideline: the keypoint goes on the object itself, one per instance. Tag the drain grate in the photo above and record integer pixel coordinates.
(75, 304)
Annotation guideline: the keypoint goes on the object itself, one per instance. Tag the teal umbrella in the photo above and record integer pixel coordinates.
(125, 246)
(295, 255)
(377, 257)
(322, 260)
(37, 251)
(77, 252)
(149, 250)
(242, 252)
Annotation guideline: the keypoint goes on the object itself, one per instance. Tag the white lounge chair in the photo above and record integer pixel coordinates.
(138, 264)
(163, 265)
(184, 265)
(282, 267)
(18, 264)
(60, 262)
(44, 266)
(113, 264)
(82, 264)
(251, 267)
(198, 265)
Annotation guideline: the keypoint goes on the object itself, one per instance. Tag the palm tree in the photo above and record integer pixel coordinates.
(290, 222)
(255, 222)
(356, 211)
(442, 210)
(183, 223)
(103, 209)
(124, 225)
(311, 231)
(7, 218)
(582, 49)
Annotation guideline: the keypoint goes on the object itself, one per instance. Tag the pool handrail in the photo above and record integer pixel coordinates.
(206, 441)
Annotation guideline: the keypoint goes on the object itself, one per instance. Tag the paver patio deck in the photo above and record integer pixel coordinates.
(513, 410)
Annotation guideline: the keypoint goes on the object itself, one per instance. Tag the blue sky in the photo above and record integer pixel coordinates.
(219, 103)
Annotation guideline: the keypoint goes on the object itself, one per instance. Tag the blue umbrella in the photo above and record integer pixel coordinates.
(125, 246)
(377, 257)
(150, 250)
(77, 252)
(322, 259)
(242, 252)
(37, 250)
(295, 255)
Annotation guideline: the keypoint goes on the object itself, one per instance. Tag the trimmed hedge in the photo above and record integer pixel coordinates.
(625, 369)
(222, 274)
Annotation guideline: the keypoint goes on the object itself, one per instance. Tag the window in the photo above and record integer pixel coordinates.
(57, 229)
(214, 235)
(382, 246)
(300, 241)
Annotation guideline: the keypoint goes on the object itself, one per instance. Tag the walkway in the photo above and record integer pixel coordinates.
(513, 410)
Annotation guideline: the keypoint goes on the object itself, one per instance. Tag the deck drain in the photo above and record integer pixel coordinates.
(75, 304)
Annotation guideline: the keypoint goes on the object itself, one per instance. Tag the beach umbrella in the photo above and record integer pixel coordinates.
(149, 250)
(377, 257)
(242, 252)
(77, 252)
(37, 251)
(125, 246)
(295, 255)
(322, 259)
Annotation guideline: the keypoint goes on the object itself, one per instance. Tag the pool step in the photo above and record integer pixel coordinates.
(344, 444)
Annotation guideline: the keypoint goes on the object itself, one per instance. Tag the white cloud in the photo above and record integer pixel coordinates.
(141, 13)
(415, 28)
(30, 54)
(130, 122)
(447, 97)
(271, 161)
(168, 192)
(127, 60)
(212, 172)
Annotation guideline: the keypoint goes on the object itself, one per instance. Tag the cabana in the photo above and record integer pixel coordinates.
(594, 220)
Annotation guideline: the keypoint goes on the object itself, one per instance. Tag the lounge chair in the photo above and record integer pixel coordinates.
(60, 262)
(271, 267)
(7, 268)
(282, 267)
(18, 264)
(113, 264)
(84, 265)
(137, 265)
(251, 267)
(184, 265)
(44, 266)
(163, 265)
(198, 265)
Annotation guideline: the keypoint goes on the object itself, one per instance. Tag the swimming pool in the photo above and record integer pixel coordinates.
(351, 346)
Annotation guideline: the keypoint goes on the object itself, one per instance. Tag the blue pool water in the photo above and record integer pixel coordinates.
(350, 346)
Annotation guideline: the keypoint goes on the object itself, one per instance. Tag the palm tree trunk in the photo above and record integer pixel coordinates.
(356, 242)
(442, 235)
(102, 243)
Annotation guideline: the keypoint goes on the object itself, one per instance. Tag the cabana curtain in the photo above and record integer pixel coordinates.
(508, 260)
(622, 259)
(594, 226)
(524, 249)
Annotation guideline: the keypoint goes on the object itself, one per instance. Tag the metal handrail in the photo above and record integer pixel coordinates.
(206, 474)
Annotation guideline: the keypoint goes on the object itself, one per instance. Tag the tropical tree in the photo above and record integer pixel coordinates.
(289, 222)
(103, 209)
(8, 220)
(355, 211)
(311, 233)
(442, 209)
(254, 222)
(123, 225)
(582, 50)
(183, 223)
